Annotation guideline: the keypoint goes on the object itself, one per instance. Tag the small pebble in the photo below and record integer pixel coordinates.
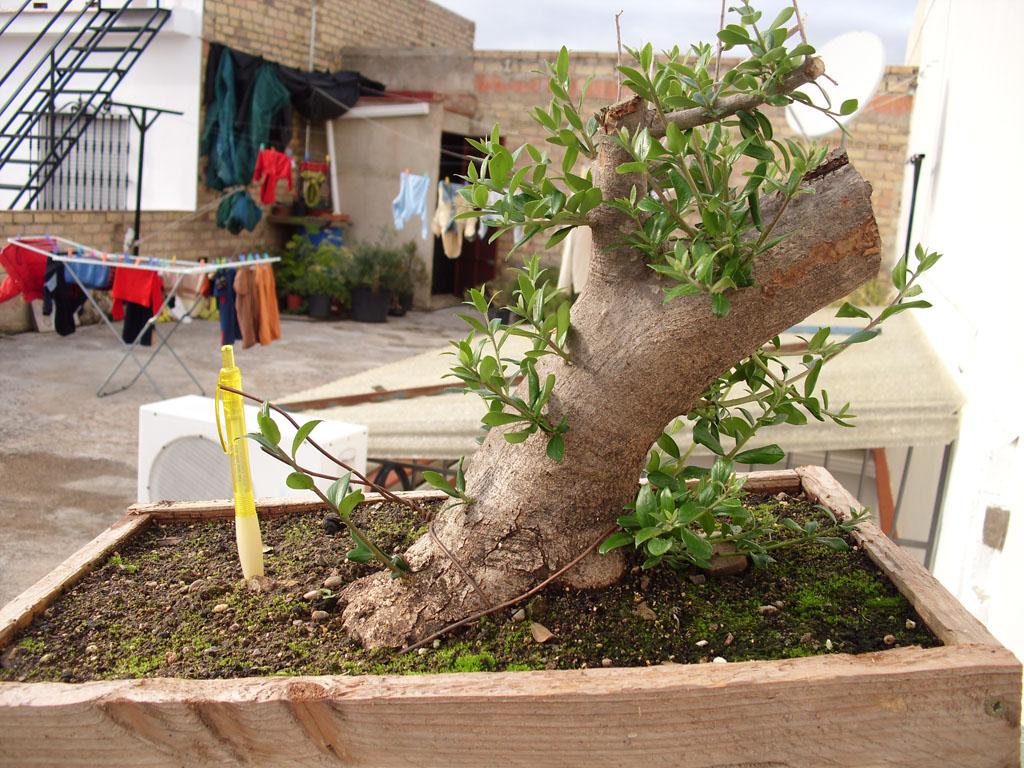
(313, 594)
(697, 578)
(643, 610)
(911, 624)
(170, 657)
(93, 649)
(212, 650)
(541, 634)
(333, 582)
(196, 585)
(320, 615)
(781, 496)
(806, 638)
(779, 604)
(422, 651)
(828, 645)
(607, 663)
(332, 524)
(701, 643)
(235, 627)
(729, 638)
(645, 583)
(713, 627)
(519, 615)
(765, 610)
(46, 658)
(719, 660)
(889, 639)
(298, 623)
(268, 549)
(151, 584)
(436, 643)
(220, 607)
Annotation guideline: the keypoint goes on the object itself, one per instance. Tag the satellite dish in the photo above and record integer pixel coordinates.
(856, 61)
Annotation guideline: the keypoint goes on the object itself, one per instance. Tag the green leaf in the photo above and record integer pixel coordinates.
(769, 454)
(720, 304)
(562, 64)
(703, 435)
(848, 107)
(615, 541)
(659, 547)
(833, 542)
(861, 336)
(733, 35)
(697, 545)
(634, 167)
(895, 309)
(360, 554)
(302, 434)
(268, 428)
(440, 482)
(500, 419)
(668, 445)
(299, 481)
(849, 310)
(646, 533)
(339, 489)
(516, 437)
(645, 502)
(784, 15)
(556, 448)
(349, 503)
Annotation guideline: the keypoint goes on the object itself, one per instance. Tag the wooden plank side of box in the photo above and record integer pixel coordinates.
(19, 613)
(941, 611)
(906, 707)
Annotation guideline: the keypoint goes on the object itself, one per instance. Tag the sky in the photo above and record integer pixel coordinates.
(589, 25)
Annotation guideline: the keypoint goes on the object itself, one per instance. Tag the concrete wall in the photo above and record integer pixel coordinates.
(371, 153)
(968, 207)
(171, 162)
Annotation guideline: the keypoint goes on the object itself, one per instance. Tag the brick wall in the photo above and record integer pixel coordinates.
(507, 86)
(279, 31)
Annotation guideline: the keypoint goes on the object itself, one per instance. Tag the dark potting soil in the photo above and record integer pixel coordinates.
(171, 604)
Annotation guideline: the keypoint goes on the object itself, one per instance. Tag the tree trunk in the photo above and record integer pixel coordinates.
(637, 363)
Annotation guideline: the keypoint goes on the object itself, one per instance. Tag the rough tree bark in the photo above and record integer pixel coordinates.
(636, 364)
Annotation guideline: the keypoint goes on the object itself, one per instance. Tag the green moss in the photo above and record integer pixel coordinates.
(33, 644)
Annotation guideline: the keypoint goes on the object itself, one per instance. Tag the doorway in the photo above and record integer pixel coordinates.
(477, 263)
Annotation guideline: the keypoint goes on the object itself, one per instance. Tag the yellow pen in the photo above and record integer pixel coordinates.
(247, 524)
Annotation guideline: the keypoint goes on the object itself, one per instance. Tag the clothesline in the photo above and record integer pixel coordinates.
(69, 251)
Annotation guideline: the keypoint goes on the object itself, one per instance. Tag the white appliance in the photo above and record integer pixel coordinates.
(180, 457)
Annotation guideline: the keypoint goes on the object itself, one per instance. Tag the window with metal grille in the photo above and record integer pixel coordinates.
(93, 175)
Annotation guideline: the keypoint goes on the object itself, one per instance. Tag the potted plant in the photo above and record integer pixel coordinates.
(409, 273)
(692, 279)
(322, 278)
(298, 251)
(373, 273)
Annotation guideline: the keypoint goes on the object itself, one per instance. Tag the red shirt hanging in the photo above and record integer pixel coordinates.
(271, 167)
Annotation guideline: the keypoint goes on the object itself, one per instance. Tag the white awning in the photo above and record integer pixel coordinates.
(897, 387)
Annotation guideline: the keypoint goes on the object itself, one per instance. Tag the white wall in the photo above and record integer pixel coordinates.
(967, 121)
(166, 75)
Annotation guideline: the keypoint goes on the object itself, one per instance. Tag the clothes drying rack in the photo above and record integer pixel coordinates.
(71, 253)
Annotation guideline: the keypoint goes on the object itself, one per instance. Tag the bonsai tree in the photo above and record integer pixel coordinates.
(711, 237)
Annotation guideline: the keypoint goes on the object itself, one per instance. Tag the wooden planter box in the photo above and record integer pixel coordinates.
(956, 705)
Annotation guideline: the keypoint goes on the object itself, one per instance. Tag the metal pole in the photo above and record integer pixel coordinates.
(916, 161)
(138, 181)
(940, 497)
(312, 60)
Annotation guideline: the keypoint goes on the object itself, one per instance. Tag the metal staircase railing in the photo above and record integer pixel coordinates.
(74, 78)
